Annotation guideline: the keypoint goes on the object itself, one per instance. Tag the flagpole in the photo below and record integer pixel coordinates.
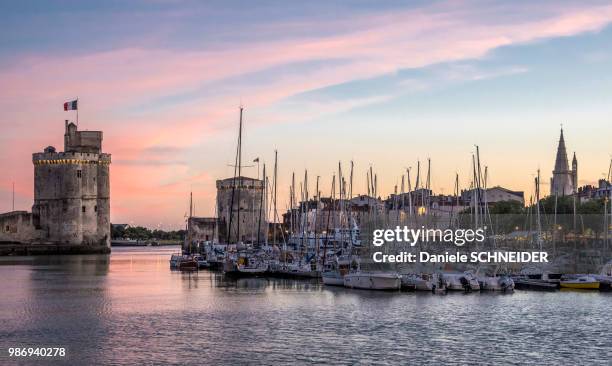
(77, 109)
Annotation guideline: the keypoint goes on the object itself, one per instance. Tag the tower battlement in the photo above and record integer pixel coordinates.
(81, 141)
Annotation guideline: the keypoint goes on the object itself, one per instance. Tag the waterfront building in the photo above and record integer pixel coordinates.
(200, 230)
(589, 192)
(493, 195)
(564, 181)
(71, 198)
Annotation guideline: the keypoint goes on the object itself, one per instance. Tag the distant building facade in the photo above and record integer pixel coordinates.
(589, 192)
(492, 195)
(71, 196)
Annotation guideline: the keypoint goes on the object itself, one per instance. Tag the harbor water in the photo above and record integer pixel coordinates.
(130, 308)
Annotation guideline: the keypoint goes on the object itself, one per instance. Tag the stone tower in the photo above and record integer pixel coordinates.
(248, 196)
(563, 181)
(72, 190)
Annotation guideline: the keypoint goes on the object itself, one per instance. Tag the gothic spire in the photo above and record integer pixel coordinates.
(561, 164)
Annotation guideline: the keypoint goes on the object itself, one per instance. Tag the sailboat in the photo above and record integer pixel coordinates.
(492, 281)
(423, 281)
(373, 280)
(460, 281)
(340, 267)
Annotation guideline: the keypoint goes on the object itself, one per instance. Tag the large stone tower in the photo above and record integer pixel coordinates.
(247, 195)
(564, 180)
(72, 190)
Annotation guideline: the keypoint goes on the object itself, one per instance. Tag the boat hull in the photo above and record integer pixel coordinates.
(368, 281)
(581, 286)
(461, 283)
(333, 279)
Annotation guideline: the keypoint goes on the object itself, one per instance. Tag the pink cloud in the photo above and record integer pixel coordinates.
(114, 83)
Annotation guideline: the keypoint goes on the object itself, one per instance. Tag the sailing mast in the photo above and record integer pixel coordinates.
(350, 206)
(274, 201)
(261, 203)
(410, 211)
(316, 239)
(539, 224)
(329, 208)
(305, 232)
(236, 174)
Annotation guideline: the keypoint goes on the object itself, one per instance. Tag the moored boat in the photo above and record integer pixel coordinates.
(202, 262)
(421, 282)
(183, 262)
(582, 283)
(332, 278)
(373, 281)
(465, 281)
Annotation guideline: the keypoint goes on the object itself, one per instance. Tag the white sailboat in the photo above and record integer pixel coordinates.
(373, 281)
(490, 280)
(460, 281)
(251, 265)
(334, 276)
(422, 281)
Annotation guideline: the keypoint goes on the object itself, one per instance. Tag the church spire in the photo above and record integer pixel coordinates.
(563, 180)
(561, 164)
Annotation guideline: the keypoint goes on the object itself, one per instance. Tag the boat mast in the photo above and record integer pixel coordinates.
(238, 237)
(316, 241)
(292, 200)
(305, 232)
(261, 203)
(236, 173)
(409, 193)
(189, 220)
(455, 202)
(275, 184)
(539, 224)
(350, 207)
(329, 213)
(428, 183)
(608, 200)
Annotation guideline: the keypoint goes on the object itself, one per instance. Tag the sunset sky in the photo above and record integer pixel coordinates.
(379, 83)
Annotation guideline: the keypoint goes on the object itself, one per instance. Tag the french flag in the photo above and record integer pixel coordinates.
(70, 106)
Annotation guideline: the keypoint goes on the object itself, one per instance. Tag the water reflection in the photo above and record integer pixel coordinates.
(130, 308)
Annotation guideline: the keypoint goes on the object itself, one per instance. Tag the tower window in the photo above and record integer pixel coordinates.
(79, 174)
(95, 208)
(83, 208)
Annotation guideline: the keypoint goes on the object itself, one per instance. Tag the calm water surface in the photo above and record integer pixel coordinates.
(130, 308)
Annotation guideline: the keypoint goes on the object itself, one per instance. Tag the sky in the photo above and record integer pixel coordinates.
(382, 84)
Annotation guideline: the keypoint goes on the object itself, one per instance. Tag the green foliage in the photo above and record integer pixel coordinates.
(507, 208)
(565, 205)
(592, 207)
(142, 233)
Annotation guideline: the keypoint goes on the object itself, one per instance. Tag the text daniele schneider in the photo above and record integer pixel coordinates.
(458, 237)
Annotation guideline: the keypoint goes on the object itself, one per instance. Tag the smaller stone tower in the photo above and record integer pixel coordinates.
(247, 194)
